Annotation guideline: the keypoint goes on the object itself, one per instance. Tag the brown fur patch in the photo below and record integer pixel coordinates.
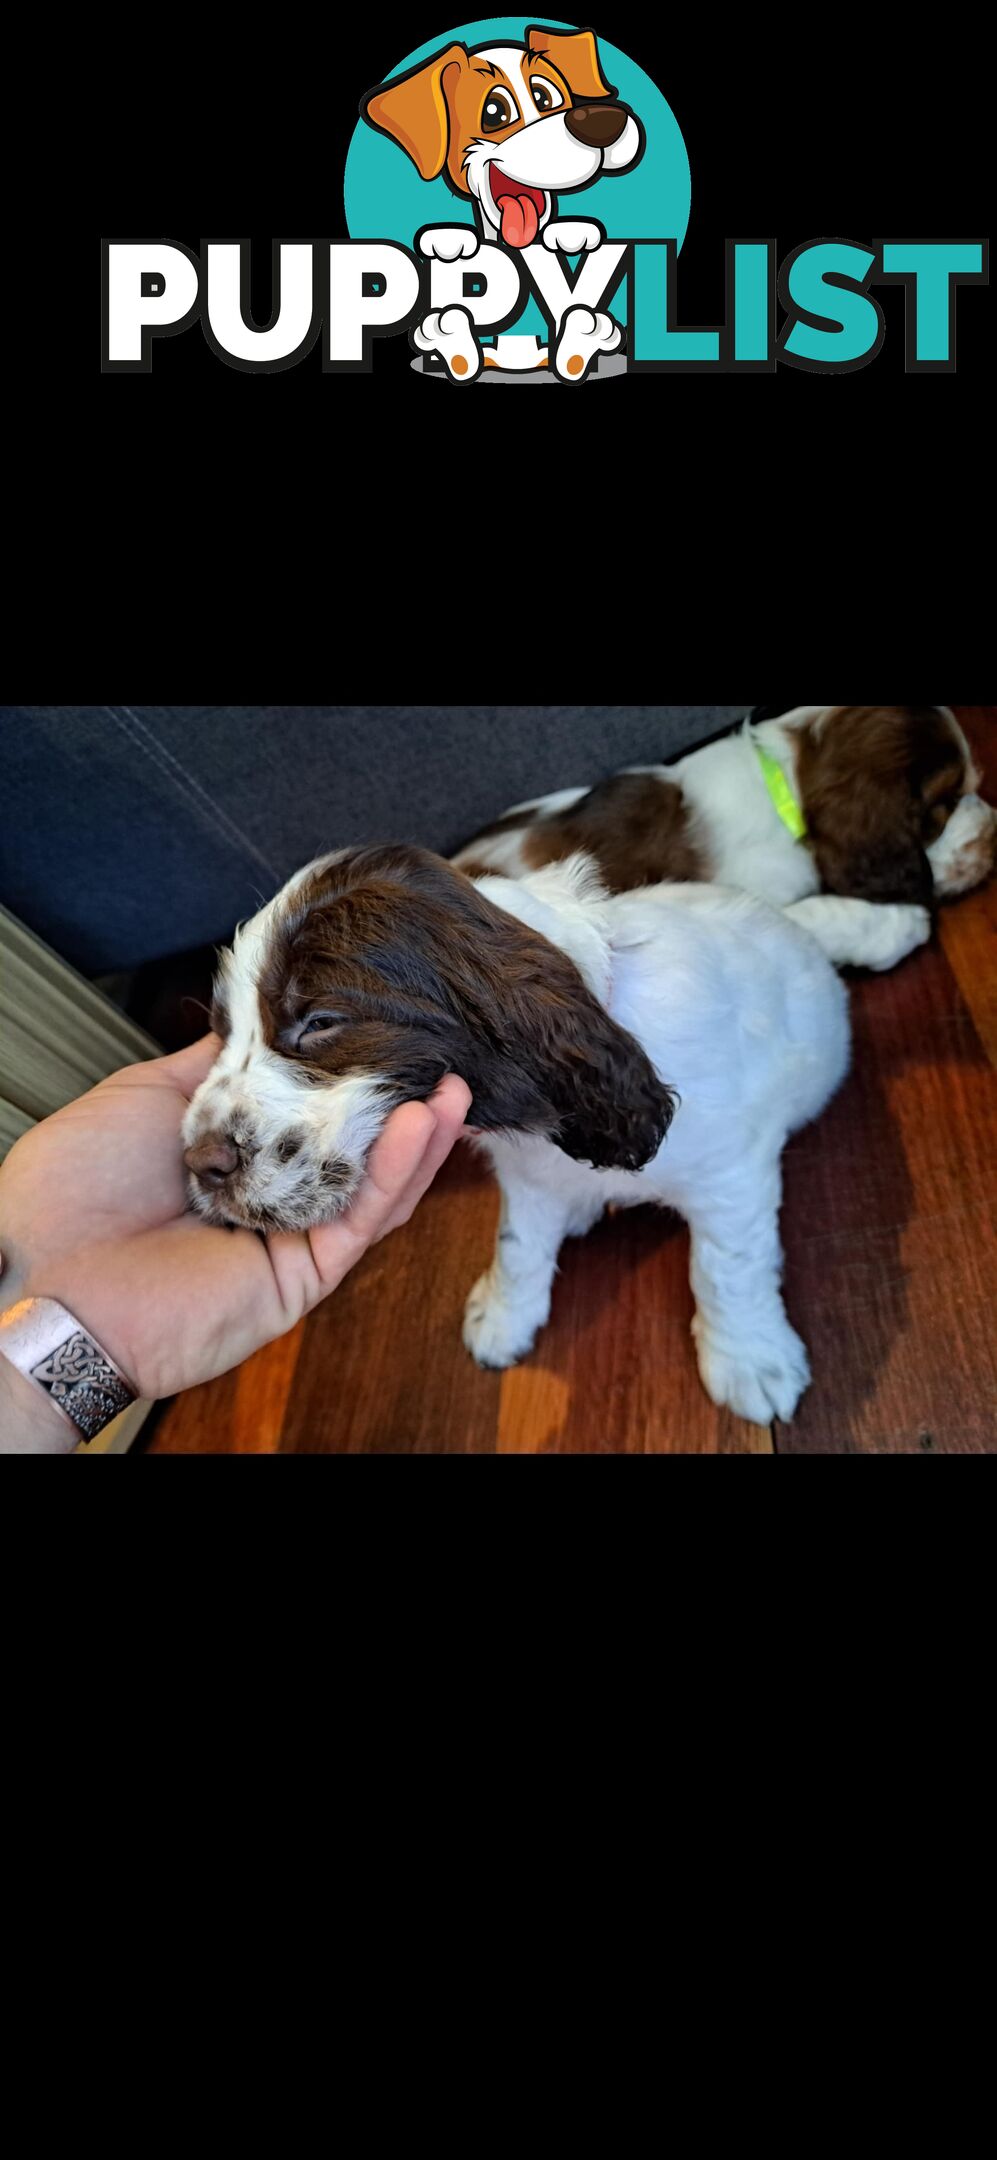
(636, 826)
(878, 784)
(428, 977)
(337, 1176)
(288, 1146)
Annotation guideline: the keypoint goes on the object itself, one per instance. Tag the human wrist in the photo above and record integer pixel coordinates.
(69, 1273)
(70, 1386)
(30, 1424)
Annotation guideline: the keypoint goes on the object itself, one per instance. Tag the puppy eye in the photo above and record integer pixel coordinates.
(498, 111)
(546, 95)
(318, 1023)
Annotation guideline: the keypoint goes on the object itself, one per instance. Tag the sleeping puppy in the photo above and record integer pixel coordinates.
(657, 1045)
(871, 804)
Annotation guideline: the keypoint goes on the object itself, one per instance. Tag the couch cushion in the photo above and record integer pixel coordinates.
(132, 831)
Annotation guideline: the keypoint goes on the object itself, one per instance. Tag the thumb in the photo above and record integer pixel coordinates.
(394, 1162)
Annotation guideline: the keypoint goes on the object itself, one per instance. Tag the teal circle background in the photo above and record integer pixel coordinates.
(386, 200)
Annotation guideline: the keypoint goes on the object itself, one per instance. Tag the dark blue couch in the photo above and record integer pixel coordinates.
(129, 832)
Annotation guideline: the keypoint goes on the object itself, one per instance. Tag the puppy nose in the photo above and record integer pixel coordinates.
(595, 125)
(212, 1159)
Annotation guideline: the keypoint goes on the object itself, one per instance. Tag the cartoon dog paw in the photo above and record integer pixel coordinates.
(583, 334)
(449, 332)
(572, 236)
(448, 242)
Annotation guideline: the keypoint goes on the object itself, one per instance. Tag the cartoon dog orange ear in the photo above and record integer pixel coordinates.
(575, 55)
(413, 109)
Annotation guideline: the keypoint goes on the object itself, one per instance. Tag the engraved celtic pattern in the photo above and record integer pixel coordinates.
(79, 1378)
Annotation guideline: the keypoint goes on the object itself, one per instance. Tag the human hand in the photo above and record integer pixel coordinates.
(93, 1212)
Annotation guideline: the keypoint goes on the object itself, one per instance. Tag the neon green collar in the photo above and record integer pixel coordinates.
(782, 794)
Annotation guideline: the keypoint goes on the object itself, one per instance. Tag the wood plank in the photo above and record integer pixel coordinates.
(262, 1391)
(890, 1229)
(199, 1422)
(980, 723)
(969, 932)
(382, 1367)
(242, 1413)
(614, 1371)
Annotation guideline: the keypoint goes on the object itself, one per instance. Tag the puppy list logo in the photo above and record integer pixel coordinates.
(454, 185)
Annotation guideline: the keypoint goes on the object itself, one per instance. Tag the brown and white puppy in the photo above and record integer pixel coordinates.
(656, 1046)
(371, 975)
(511, 127)
(886, 793)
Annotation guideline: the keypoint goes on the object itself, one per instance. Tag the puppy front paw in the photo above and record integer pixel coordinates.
(447, 243)
(759, 1380)
(899, 930)
(495, 1332)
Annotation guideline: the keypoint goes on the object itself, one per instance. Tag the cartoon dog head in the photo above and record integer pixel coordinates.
(510, 125)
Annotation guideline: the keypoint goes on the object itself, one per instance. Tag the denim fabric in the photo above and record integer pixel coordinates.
(129, 832)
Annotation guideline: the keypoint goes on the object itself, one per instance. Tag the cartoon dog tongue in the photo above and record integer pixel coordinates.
(519, 208)
(519, 220)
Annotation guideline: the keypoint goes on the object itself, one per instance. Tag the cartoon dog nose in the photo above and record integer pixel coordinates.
(212, 1159)
(595, 125)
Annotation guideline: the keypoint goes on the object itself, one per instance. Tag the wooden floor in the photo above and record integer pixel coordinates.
(890, 1229)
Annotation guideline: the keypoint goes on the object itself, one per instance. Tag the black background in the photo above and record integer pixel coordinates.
(381, 537)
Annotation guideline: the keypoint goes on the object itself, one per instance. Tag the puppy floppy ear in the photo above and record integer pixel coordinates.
(414, 110)
(873, 852)
(548, 1058)
(483, 994)
(612, 1109)
(575, 55)
(863, 807)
